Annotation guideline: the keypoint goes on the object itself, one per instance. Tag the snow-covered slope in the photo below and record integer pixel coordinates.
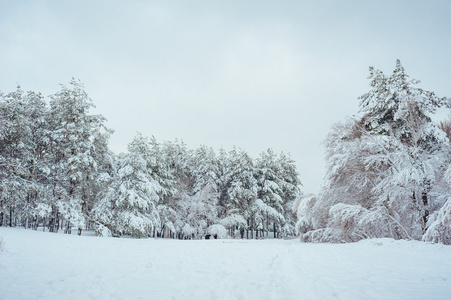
(38, 265)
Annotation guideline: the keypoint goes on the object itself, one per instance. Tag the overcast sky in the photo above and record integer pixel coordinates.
(254, 74)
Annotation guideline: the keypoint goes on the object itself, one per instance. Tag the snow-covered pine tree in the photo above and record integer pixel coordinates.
(277, 183)
(74, 167)
(24, 139)
(380, 167)
(12, 185)
(241, 190)
(136, 190)
(290, 185)
(204, 168)
(399, 110)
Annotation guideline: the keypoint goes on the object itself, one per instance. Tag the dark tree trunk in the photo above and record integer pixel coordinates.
(51, 221)
(35, 223)
(424, 198)
(11, 217)
(53, 225)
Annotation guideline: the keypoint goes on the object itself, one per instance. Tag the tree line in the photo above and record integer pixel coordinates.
(388, 174)
(58, 173)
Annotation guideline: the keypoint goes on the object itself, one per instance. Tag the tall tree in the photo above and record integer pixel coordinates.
(382, 166)
(73, 138)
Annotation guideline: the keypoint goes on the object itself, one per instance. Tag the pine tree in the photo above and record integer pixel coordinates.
(277, 184)
(381, 167)
(74, 167)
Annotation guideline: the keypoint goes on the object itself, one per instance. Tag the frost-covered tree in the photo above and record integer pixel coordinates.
(196, 212)
(241, 191)
(204, 168)
(24, 157)
(381, 167)
(130, 204)
(73, 146)
(277, 183)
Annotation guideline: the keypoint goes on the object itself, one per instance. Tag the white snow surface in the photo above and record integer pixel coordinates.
(41, 265)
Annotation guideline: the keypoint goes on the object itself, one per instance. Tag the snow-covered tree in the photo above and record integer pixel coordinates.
(130, 204)
(277, 183)
(73, 147)
(241, 190)
(381, 167)
(24, 160)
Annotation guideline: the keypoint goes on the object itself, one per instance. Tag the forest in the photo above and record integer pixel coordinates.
(388, 174)
(58, 173)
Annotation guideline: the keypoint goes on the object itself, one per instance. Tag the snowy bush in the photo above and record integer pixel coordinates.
(102, 230)
(218, 229)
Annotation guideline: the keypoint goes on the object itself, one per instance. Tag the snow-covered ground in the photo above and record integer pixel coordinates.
(40, 265)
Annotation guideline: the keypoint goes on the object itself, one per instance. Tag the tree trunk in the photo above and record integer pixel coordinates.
(267, 223)
(247, 229)
(53, 226)
(51, 220)
(10, 217)
(68, 229)
(424, 197)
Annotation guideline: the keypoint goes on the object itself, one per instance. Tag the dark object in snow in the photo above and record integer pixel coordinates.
(216, 236)
(207, 236)
(242, 233)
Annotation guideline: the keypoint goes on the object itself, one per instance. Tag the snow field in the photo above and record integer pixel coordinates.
(40, 265)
